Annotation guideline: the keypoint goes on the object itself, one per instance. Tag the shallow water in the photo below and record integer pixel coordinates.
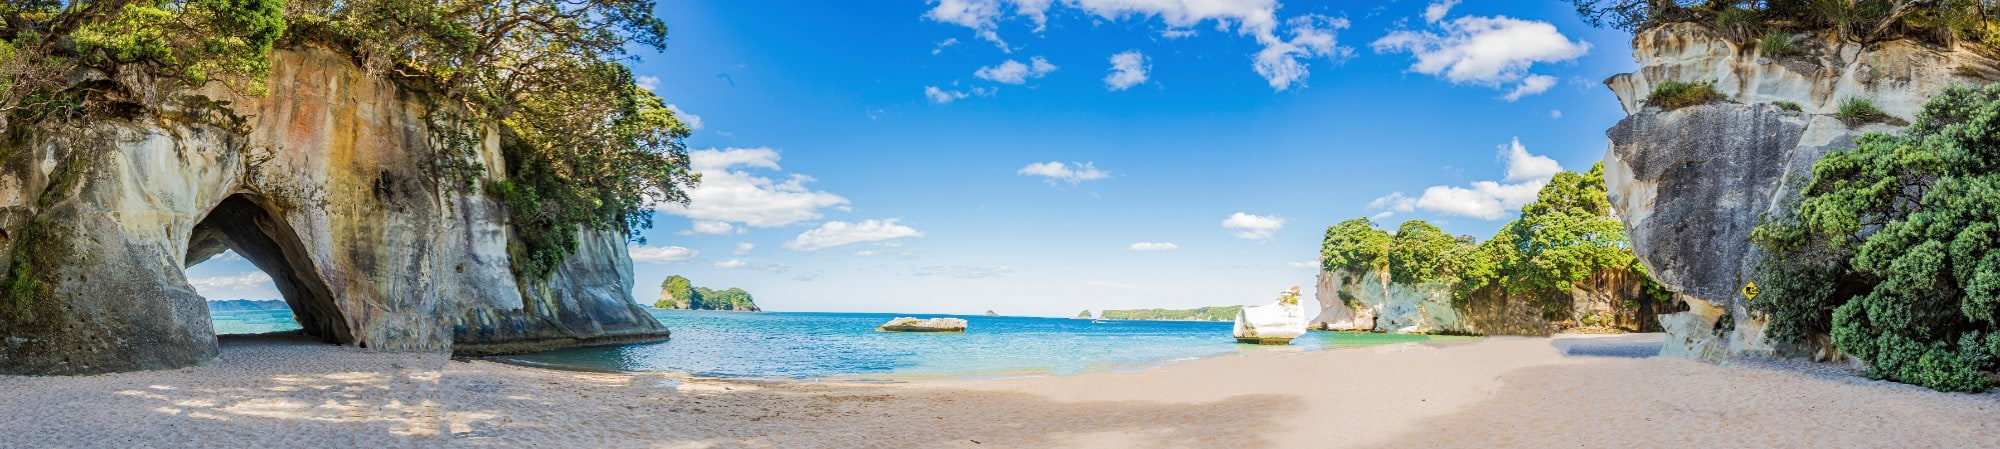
(801, 345)
(253, 321)
(846, 345)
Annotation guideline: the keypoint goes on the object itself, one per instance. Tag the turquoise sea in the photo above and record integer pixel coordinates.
(800, 345)
(253, 321)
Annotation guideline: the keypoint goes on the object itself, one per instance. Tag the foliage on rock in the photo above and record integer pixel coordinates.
(585, 148)
(1671, 95)
(1893, 249)
(1565, 236)
(1862, 21)
(679, 293)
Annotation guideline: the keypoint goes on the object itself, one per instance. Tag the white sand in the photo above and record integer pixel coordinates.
(1497, 392)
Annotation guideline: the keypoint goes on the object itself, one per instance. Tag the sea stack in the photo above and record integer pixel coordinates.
(1274, 324)
(908, 324)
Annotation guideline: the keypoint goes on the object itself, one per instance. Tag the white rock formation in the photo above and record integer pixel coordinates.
(908, 324)
(1274, 324)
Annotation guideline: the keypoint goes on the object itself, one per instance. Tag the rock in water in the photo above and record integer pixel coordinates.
(992, 313)
(1274, 324)
(908, 324)
(328, 186)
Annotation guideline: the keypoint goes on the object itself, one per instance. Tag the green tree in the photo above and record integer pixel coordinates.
(1421, 253)
(1902, 230)
(1354, 245)
(1561, 239)
(678, 291)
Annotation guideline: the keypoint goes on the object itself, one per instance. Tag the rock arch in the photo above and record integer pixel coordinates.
(241, 224)
(327, 184)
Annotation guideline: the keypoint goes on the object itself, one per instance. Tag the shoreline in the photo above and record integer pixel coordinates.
(1544, 391)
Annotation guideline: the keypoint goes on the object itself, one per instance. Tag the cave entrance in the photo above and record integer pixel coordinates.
(242, 225)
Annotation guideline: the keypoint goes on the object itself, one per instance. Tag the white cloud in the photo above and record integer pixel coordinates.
(943, 45)
(706, 227)
(1306, 264)
(649, 83)
(866, 253)
(1310, 35)
(661, 254)
(1073, 173)
(1153, 246)
(1253, 227)
(1485, 200)
(963, 272)
(1555, 113)
(1015, 72)
(1522, 166)
(241, 280)
(1438, 9)
(1532, 85)
(979, 15)
(729, 192)
(1128, 69)
(743, 248)
(693, 121)
(838, 233)
(941, 96)
(1486, 51)
(740, 264)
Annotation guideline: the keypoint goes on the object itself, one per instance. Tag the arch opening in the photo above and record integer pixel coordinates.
(242, 225)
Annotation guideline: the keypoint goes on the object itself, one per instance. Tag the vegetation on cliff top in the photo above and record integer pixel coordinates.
(1561, 239)
(1893, 249)
(585, 147)
(1222, 313)
(1862, 21)
(679, 293)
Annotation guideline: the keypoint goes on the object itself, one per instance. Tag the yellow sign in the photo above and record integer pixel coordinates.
(1750, 291)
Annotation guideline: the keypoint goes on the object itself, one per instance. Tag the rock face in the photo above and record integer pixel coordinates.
(1691, 184)
(327, 187)
(908, 324)
(1368, 301)
(1272, 324)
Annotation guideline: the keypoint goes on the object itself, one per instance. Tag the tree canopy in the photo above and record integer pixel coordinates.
(1894, 250)
(585, 147)
(1855, 20)
(1561, 239)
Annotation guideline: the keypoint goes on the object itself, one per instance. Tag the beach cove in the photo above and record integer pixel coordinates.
(1589, 391)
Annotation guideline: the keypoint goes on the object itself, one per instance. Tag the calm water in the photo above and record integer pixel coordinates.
(253, 321)
(846, 345)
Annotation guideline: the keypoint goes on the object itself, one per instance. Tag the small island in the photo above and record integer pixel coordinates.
(1219, 313)
(1084, 315)
(992, 313)
(680, 294)
(933, 325)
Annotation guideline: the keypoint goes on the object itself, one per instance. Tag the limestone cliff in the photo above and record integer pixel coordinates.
(1369, 301)
(1690, 184)
(329, 187)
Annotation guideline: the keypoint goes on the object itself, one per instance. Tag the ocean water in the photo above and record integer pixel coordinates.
(253, 321)
(846, 346)
(800, 345)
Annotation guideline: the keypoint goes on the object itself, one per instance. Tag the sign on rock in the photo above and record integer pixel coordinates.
(1750, 291)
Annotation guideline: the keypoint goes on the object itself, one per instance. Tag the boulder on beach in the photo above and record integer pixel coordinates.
(908, 324)
(1274, 324)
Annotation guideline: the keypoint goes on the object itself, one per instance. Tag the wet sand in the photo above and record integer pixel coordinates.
(1571, 391)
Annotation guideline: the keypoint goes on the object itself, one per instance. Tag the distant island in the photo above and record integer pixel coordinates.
(1224, 313)
(239, 305)
(1084, 315)
(680, 294)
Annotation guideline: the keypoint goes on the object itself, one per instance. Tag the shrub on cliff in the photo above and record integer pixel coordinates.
(1671, 95)
(1894, 251)
(585, 148)
(1855, 20)
(1354, 245)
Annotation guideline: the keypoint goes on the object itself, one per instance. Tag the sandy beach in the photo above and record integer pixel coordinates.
(1570, 391)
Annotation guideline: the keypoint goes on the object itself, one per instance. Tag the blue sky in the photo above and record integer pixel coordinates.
(890, 158)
